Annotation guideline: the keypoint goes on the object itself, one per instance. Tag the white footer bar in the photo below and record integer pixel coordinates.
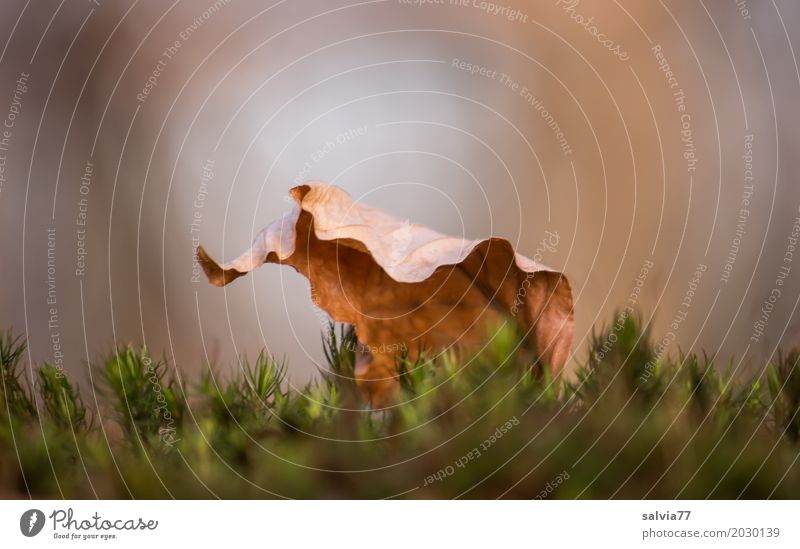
(390, 524)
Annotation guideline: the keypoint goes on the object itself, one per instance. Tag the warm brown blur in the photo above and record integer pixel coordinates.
(659, 141)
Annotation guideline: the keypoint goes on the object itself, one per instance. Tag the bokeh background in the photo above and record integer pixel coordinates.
(245, 99)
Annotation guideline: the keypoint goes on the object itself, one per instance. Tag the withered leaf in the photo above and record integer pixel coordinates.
(405, 286)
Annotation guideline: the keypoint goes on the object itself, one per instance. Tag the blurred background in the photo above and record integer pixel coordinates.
(658, 139)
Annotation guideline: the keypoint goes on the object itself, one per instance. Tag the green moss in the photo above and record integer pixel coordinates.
(631, 423)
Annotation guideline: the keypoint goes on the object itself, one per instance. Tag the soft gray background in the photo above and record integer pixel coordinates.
(272, 82)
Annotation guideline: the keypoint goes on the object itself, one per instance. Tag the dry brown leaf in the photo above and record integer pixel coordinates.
(405, 286)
